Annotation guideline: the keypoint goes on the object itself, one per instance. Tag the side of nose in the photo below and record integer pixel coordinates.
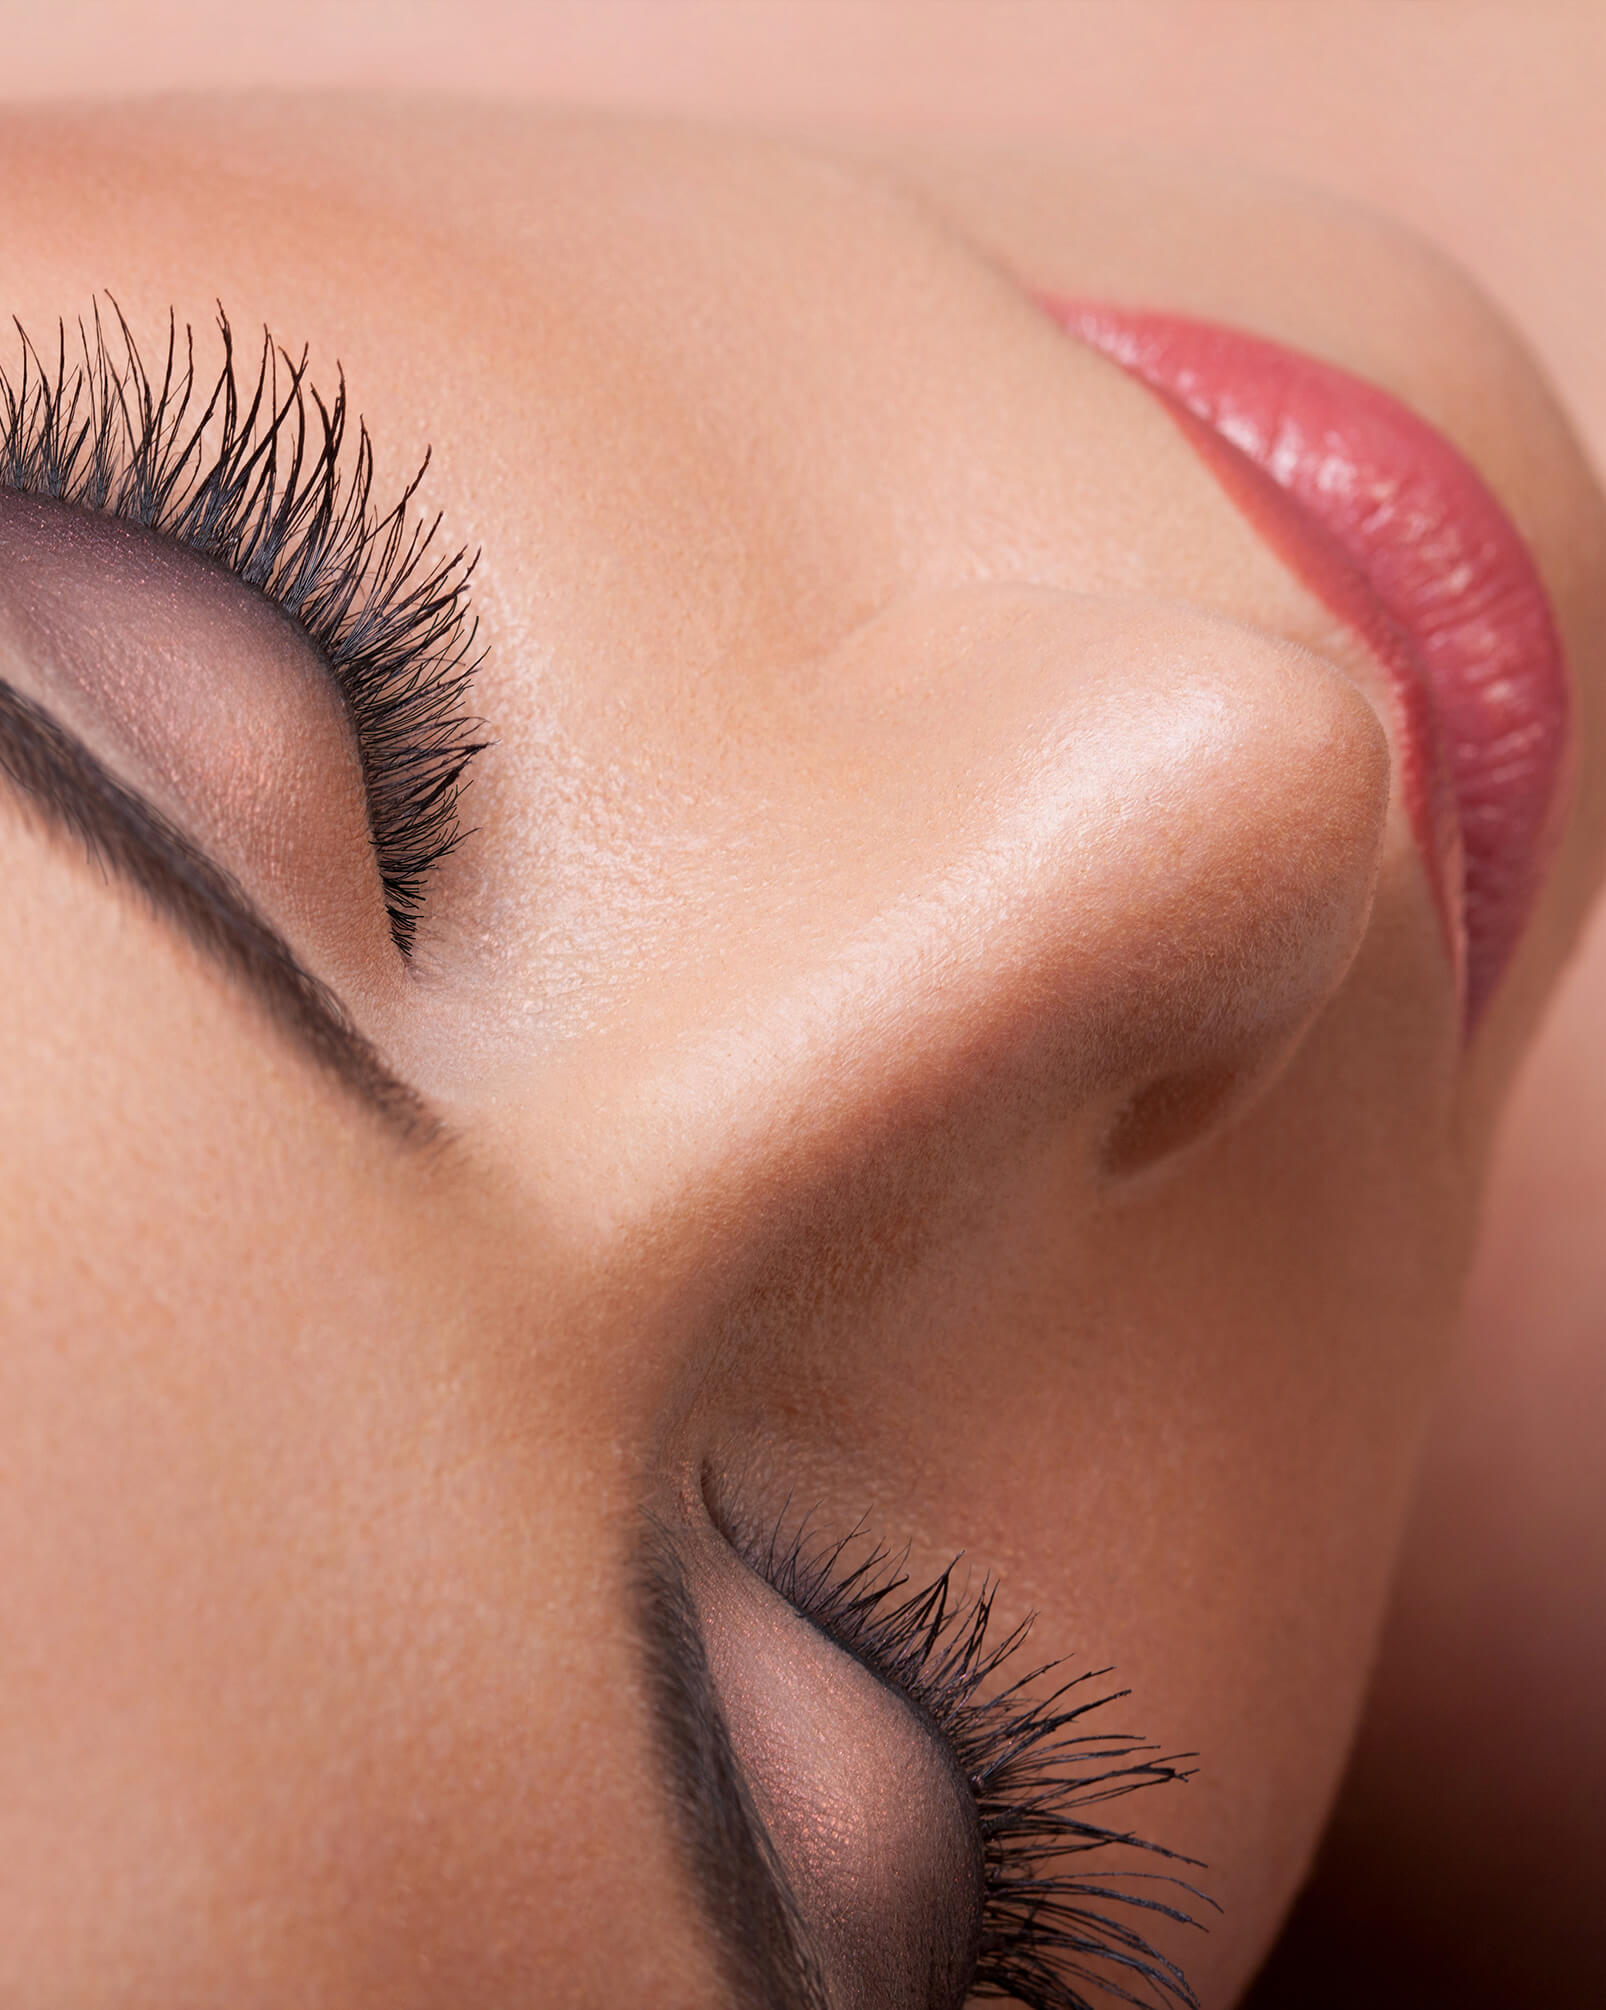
(1037, 857)
(1121, 851)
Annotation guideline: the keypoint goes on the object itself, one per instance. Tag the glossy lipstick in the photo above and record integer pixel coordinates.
(1398, 535)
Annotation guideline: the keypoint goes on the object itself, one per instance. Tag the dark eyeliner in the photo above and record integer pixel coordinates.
(1061, 1927)
(250, 474)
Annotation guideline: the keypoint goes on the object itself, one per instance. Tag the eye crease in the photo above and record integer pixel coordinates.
(68, 788)
(249, 474)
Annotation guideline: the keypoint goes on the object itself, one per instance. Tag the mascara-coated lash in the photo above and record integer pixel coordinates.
(249, 473)
(1056, 1924)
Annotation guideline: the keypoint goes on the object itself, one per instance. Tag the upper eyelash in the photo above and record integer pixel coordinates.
(1047, 1932)
(249, 475)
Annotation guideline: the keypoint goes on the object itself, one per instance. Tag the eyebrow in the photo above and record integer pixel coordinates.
(763, 1946)
(57, 776)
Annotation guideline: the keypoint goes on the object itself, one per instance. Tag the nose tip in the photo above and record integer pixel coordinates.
(1046, 862)
(1172, 829)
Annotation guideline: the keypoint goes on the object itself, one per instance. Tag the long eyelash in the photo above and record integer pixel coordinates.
(250, 475)
(1050, 1930)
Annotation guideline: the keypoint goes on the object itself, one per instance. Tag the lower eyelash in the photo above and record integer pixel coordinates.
(249, 475)
(1050, 1931)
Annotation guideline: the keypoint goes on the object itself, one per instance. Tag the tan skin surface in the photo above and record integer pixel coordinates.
(779, 1092)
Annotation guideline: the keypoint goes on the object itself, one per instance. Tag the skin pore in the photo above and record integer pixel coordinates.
(905, 758)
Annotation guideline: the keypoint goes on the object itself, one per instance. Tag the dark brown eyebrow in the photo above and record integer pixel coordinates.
(762, 1943)
(59, 778)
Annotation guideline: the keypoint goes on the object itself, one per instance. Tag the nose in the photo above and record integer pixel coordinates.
(1086, 859)
(1154, 839)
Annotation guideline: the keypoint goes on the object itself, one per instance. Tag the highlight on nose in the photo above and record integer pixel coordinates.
(1047, 859)
(1140, 847)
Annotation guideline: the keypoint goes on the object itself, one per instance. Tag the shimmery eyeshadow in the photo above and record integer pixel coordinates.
(205, 697)
(875, 1831)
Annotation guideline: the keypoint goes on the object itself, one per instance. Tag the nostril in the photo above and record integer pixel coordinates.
(1167, 1115)
(1108, 862)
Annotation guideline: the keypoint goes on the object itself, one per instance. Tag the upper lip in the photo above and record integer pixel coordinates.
(1397, 533)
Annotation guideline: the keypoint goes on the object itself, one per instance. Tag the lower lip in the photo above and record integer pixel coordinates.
(1401, 539)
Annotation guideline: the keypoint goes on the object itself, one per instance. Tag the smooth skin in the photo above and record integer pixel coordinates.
(1477, 123)
(907, 766)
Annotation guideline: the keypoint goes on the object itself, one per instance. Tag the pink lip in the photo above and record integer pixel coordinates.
(1400, 538)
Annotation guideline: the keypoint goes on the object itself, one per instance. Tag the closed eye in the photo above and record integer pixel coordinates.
(919, 1821)
(259, 476)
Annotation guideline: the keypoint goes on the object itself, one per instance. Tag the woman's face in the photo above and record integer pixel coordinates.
(940, 1027)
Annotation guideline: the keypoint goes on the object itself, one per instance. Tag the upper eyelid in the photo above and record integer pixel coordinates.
(934, 1650)
(257, 480)
(763, 1942)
